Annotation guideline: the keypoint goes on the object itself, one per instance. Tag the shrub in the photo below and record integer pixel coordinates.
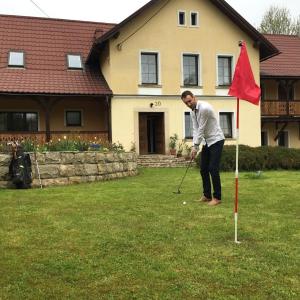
(259, 158)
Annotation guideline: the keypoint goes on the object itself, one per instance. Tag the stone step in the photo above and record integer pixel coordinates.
(161, 161)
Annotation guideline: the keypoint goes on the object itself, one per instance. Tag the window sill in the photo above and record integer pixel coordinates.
(150, 86)
(191, 87)
(222, 86)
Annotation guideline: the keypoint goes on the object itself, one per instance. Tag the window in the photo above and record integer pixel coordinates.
(149, 68)
(16, 59)
(283, 139)
(224, 70)
(190, 69)
(226, 124)
(74, 61)
(264, 138)
(188, 126)
(181, 18)
(18, 121)
(285, 92)
(194, 19)
(73, 118)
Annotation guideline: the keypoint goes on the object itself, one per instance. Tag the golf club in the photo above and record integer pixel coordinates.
(178, 189)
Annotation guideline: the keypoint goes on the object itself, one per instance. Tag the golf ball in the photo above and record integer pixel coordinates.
(184, 202)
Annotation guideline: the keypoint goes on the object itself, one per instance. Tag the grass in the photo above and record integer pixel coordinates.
(134, 239)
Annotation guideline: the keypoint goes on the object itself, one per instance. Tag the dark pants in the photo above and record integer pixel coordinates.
(209, 167)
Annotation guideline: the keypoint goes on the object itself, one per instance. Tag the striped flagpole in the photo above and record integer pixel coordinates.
(237, 173)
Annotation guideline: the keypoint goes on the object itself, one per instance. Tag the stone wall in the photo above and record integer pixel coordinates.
(62, 168)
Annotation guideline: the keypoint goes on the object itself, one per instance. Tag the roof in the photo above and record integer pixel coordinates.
(287, 63)
(46, 42)
(267, 49)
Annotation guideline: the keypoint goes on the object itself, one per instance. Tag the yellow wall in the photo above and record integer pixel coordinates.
(293, 133)
(215, 35)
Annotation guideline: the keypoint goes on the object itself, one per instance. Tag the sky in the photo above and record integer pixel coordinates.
(114, 11)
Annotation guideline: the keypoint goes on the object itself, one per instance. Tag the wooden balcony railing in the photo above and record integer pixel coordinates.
(280, 108)
(40, 136)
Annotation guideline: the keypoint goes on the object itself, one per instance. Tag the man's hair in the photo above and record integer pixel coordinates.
(186, 93)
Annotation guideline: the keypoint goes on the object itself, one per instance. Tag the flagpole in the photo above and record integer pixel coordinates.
(237, 172)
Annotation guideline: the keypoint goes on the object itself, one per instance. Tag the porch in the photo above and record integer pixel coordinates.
(45, 118)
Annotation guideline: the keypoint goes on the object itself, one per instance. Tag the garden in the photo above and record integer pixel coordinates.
(135, 239)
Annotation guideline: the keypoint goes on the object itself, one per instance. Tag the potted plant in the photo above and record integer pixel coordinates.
(180, 148)
(173, 144)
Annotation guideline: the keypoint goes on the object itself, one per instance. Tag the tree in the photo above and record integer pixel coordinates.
(278, 20)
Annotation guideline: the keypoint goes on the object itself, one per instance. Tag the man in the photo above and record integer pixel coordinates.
(206, 129)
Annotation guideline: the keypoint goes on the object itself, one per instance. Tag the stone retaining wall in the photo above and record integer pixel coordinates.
(61, 168)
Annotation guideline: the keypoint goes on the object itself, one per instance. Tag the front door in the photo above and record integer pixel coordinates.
(151, 133)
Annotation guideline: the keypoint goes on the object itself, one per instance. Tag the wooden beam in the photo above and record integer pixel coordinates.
(282, 128)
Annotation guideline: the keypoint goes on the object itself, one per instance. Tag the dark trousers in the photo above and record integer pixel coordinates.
(210, 167)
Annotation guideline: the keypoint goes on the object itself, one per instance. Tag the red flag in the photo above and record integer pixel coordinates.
(243, 85)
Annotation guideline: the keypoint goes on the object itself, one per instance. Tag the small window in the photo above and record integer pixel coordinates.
(188, 126)
(74, 61)
(264, 138)
(190, 70)
(226, 124)
(181, 18)
(149, 68)
(283, 139)
(16, 59)
(18, 121)
(73, 118)
(194, 19)
(224, 70)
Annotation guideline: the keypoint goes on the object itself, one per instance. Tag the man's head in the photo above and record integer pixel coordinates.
(189, 99)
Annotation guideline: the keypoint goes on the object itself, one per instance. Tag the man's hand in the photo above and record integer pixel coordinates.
(193, 154)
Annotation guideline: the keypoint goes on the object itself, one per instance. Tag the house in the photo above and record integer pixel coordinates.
(280, 83)
(46, 88)
(123, 82)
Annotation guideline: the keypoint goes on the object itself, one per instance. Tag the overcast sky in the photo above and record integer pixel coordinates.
(114, 11)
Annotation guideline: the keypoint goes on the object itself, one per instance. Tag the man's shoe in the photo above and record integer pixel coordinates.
(214, 202)
(204, 199)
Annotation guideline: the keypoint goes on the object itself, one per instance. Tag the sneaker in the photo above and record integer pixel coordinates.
(214, 202)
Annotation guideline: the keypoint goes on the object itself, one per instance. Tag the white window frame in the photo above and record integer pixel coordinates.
(197, 18)
(184, 112)
(68, 62)
(158, 67)
(65, 117)
(199, 68)
(185, 18)
(233, 121)
(217, 67)
(16, 65)
(288, 139)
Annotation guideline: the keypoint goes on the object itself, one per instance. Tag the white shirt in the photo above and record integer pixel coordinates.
(205, 125)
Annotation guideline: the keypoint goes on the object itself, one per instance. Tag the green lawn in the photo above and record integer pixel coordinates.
(134, 239)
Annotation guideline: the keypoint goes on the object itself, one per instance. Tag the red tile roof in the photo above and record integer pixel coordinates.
(287, 63)
(46, 42)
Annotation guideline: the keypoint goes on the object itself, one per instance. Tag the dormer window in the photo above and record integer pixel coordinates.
(181, 18)
(74, 61)
(16, 59)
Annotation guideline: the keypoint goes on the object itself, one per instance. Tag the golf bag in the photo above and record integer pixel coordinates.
(20, 169)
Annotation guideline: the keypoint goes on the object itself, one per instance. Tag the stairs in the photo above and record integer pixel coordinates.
(161, 161)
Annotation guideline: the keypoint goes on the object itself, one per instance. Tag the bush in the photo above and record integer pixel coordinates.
(259, 158)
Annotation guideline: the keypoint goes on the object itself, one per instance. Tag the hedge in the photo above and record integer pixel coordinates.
(259, 158)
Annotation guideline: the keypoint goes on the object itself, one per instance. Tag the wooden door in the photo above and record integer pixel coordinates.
(143, 133)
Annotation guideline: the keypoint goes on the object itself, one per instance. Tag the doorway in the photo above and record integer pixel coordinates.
(151, 133)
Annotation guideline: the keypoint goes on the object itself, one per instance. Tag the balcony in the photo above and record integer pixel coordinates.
(278, 108)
